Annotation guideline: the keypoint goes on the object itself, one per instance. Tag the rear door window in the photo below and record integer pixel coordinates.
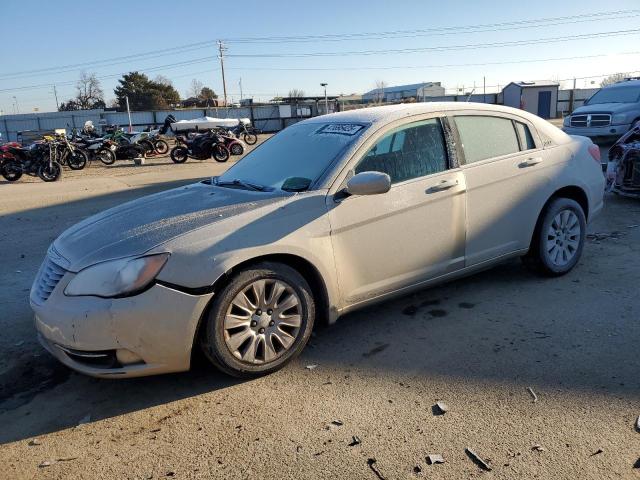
(524, 134)
(484, 137)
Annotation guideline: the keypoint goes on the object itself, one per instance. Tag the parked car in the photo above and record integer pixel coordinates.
(331, 214)
(610, 112)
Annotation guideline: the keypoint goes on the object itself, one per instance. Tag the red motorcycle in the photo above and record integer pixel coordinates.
(234, 145)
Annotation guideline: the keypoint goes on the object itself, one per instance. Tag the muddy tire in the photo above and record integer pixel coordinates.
(260, 321)
(558, 239)
(179, 154)
(11, 171)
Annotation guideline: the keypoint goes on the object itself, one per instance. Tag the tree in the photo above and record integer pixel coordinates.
(378, 96)
(208, 96)
(296, 93)
(162, 80)
(615, 78)
(89, 94)
(144, 94)
(195, 88)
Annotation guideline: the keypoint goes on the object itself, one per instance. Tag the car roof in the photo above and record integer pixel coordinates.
(379, 116)
(624, 84)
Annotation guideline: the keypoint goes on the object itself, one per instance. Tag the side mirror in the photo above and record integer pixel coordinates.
(368, 183)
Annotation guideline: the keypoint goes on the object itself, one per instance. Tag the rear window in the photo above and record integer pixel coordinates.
(486, 137)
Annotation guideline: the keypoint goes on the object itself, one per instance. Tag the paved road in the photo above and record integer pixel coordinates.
(476, 344)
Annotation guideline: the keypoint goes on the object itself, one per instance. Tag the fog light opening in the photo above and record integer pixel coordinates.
(127, 357)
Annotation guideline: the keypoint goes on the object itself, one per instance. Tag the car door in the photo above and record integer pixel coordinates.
(505, 173)
(415, 231)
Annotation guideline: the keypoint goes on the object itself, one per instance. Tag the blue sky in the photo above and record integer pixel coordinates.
(76, 32)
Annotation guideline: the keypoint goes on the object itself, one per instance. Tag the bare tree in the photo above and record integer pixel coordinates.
(615, 78)
(162, 80)
(296, 93)
(195, 88)
(89, 91)
(378, 95)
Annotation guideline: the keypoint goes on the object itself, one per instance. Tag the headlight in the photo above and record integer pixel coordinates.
(619, 118)
(117, 277)
(567, 121)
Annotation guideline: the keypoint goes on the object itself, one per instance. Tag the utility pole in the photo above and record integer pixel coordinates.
(326, 101)
(484, 89)
(17, 107)
(55, 94)
(129, 114)
(221, 50)
(240, 82)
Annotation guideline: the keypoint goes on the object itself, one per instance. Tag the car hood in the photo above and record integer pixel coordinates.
(606, 108)
(138, 226)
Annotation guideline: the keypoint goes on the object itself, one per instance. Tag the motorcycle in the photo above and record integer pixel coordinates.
(202, 147)
(34, 160)
(98, 149)
(66, 153)
(234, 145)
(125, 149)
(248, 133)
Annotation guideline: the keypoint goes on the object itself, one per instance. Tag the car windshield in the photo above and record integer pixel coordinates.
(294, 158)
(616, 95)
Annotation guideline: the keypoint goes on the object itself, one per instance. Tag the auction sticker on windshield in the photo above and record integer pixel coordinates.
(340, 128)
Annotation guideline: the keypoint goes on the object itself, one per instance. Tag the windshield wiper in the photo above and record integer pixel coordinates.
(242, 184)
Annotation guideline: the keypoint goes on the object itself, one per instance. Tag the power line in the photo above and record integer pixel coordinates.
(451, 30)
(443, 48)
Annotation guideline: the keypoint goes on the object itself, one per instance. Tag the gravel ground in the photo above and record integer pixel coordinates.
(477, 344)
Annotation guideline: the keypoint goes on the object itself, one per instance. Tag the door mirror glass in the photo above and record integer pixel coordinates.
(368, 183)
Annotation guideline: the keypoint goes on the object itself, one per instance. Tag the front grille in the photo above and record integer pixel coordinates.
(591, 120)
(48, 277)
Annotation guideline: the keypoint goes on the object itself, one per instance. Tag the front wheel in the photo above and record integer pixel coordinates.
(107, 156)
(161, 147)
(147, 146)
(50, 172)
(179, 154)
(250, 138)
(236, 148)
(220, 153)
(77, 160)
(260, 321)
(559, 238)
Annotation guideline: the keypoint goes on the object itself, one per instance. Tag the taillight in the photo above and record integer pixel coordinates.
(595, 153)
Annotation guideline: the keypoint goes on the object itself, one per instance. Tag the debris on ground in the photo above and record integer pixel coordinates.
(374, 468)
(44, 464)
(417, 469)
(538, 448)
(337, 423)
(477, 459)
(533, 394)
(596, 237)
(637, 464)
(434, 458)
(311, 367)
(34, 443)
(355, 440)
(440, 408)
(597, 452)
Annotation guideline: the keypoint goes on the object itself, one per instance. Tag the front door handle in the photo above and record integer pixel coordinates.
(443, 185)
(530, 162)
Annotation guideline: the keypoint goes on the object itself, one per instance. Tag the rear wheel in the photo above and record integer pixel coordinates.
(236, 148)
(250, 138)
(147, 146)
(11, 171)
(179, 154)
(77, 160)
(220, 153)
(161, 147)
(107, 156)
(559, 238)
(260, 321)
(50, 173)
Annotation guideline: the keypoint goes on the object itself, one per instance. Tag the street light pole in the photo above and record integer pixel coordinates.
(326, 100)
(17, 107)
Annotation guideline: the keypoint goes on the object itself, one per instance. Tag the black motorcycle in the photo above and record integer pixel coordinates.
(34, 160)
(201, 147)
(67, 153)
(247, 132)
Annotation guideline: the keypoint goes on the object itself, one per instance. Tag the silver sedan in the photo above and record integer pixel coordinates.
(331, 214)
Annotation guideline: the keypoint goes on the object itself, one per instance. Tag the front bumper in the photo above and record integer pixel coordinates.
(157, 327)
(609, 131)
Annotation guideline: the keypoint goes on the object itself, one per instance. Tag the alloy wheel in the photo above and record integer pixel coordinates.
(563, 238)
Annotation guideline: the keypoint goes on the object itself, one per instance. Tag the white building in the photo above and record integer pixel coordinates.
(538, 97)
(401, 92)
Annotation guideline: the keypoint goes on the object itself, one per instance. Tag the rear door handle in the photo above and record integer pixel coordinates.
(443, 185)
(530, 162)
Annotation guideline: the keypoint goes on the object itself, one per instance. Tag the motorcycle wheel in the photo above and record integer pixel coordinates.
(161, 147)
(179, 154)
(11, 171)
(77, 160)
(147, 146)
(50, 174)
(250, 138)
(236, 149)
(220, 153)
(106, 156)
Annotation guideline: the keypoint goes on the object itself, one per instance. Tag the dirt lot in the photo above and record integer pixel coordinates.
(477, 344)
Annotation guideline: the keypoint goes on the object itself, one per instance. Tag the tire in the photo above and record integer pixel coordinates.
(147, 146)
(11, 171)
(296, 325)
(106, 156)
(179, 154)
(52, 174)
(161, 147)
(563, 220)
(77, 160)
(220, 153)
(250, 138)
(236, 148)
